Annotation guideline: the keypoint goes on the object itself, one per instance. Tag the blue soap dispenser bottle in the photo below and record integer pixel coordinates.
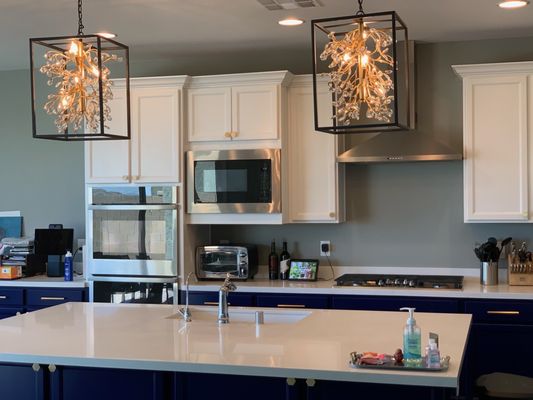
(412, 352)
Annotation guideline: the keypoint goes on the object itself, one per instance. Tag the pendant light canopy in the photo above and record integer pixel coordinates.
(72, 87)
(361, 64)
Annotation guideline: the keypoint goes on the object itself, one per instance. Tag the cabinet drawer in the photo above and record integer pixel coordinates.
(394, 304)
(500, 312)
(11, 296)
(211, 299)
(50, 297)
(292, 301)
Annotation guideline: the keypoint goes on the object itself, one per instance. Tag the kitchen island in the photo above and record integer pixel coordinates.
(146, 351)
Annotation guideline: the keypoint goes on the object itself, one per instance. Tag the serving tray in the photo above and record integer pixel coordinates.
(355, 362)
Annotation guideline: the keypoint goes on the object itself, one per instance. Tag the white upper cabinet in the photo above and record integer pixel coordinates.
(498, 182)
(315, 180)
(237, 107)
(152, 154)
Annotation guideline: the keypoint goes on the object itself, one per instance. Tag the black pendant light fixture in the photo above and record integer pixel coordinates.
(72, 87)
(361, 63)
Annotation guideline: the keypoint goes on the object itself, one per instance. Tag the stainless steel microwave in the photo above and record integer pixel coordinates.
(234, 181)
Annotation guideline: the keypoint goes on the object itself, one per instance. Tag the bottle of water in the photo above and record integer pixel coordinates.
(68, 266)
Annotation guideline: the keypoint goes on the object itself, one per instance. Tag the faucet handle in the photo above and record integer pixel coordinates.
(228, 285)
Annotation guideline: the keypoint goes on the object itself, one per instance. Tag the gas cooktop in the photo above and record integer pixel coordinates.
(401, 281)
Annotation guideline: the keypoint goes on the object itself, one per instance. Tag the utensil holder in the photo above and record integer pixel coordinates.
(489, 273)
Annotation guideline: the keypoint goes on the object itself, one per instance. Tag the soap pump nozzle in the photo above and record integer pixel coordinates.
(411, 320)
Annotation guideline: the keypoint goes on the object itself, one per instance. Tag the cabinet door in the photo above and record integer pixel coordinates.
(495, 149)
(21, 382)
(106, 384)
(155, 141)
(108, 161)
(255, 112)
(45, 297)
(313, 171)
(209, 114)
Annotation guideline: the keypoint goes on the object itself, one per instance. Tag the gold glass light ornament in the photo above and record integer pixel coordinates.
(72, 87)
(363, 62)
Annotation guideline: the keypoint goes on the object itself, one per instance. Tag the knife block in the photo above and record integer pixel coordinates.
(518, 273)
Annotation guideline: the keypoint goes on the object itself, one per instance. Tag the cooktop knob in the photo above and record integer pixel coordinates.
(381, 282)
(397, 282)
(405, 282)
(412, 283)
(388, 281)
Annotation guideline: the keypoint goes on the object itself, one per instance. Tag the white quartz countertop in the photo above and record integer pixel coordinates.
(149, 337)
(44, 281)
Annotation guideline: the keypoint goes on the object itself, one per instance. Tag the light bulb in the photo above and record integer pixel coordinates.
(364, 60)
(95, 71)
(73, 48)
(513, 4)
(347, 57)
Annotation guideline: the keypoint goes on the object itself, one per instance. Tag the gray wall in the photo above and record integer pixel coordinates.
(41, 178)
(398, 214)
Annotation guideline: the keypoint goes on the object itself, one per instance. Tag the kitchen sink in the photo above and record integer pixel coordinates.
(210, 314)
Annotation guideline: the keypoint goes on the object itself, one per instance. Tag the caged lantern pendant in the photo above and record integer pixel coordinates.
(361, 64)
(80, 87)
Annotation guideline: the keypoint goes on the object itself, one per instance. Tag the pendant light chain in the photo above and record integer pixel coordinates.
(360, 12)
(80, 18)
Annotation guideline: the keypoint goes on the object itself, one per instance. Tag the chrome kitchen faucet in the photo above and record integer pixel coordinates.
(227, 286)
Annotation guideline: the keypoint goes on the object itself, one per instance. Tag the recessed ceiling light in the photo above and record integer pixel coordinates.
(107, 35)
(291, 21)
(513, 3)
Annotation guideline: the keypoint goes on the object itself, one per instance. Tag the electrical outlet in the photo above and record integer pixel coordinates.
(325, 248)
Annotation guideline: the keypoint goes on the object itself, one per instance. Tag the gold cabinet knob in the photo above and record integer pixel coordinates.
(227, 134)
(125, 177)
(332, 214)
(136, 177)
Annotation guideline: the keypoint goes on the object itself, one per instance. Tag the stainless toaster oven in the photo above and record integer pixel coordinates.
(214, 262)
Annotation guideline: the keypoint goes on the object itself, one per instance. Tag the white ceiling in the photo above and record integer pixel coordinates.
(164, 28)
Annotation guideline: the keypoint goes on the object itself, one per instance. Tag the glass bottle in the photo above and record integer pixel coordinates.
(273, 262)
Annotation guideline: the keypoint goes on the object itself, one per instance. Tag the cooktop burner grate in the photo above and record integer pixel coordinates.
(401, 281)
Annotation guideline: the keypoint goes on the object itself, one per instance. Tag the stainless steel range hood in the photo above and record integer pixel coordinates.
(396, 147)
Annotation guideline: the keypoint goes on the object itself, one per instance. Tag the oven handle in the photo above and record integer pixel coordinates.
(132, 207)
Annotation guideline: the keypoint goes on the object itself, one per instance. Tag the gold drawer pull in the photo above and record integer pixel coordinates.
(210, 303)
(291, 305)
(52, 298)
(3, 297)
(503, 312)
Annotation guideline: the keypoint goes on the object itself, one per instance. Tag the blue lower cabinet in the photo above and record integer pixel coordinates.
(292, 301)
(74, 383)
(21, 382)
(327, 390)
(394, 303)
(211, 299)
(6, 312)
(45, 297)
(188, 386)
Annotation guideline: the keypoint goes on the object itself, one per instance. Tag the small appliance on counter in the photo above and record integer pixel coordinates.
(214, 262)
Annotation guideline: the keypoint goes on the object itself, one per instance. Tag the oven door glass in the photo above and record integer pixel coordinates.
(134, 292)
(136, 241)
(133, 195)
(218, 261)
(233, 181)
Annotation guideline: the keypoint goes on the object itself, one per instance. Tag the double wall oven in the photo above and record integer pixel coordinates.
(132, 244)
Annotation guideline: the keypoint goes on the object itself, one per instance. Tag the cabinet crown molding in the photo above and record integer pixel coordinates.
(468, 70)
(155, 81)
(283, 78)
